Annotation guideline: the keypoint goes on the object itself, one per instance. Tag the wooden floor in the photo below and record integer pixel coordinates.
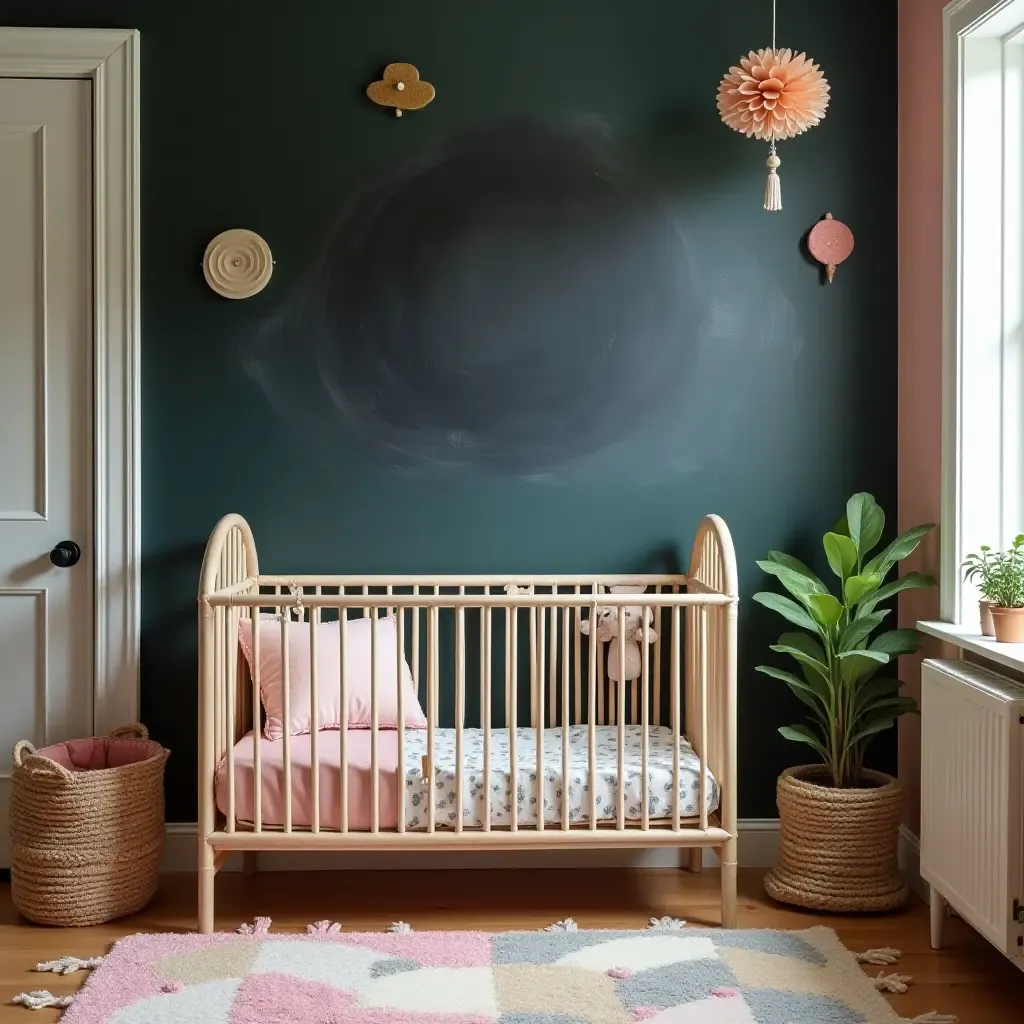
(967, 978)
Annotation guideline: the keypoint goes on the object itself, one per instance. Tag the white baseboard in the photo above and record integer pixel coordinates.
(758, 848)
(910, 862)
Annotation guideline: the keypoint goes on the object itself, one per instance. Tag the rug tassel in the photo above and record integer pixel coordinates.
(69, 964)
(399, 927)
(568, 925)
(674, 923)
(773, 188)
(42, 1000)
(260, 926)
(323, 928)
(881, 957)
(933, 1018)
(895, 983)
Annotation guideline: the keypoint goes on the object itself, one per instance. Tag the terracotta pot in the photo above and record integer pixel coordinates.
(837, 847)
(988, 627)
(1009, 623)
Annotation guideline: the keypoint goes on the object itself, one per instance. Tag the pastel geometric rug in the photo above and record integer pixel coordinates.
(665, 975)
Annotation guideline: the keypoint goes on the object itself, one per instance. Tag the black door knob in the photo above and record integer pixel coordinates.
(65, 554)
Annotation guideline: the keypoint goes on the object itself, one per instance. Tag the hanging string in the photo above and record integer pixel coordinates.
(774, 2)
(773, 187)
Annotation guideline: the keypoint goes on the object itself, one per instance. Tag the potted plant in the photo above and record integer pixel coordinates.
(1006, 591)
(840, 820)
(978, 569)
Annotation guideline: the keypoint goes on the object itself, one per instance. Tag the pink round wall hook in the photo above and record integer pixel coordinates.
(830, 242)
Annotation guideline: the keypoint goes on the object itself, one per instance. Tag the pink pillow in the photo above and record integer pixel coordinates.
(357, 676)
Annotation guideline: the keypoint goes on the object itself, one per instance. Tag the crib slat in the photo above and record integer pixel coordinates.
(287, 713)
(314, 727)
(400, 773)
(416, 649)
(374, 712)
(565, 719)
(645, 739)
(591, 718)
(485, 711)
(230, 654)
(538, 660)
(257, 746)
(553, 668)
(702, 633)
(533, 667)
(511, 621)
(656, 700)
(674, 674)
(621, 732)
(431, 723)
(601, 717)
(460, 705)
(577, 674)
(343, 733)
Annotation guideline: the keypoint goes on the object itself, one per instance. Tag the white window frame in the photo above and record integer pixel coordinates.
(109, 58)
(982, 499)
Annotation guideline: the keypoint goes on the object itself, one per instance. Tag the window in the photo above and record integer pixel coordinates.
(983, 289)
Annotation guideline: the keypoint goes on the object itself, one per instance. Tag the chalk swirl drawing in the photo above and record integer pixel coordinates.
(515, 299)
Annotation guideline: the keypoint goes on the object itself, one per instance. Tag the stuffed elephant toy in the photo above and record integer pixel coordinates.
(608, 630)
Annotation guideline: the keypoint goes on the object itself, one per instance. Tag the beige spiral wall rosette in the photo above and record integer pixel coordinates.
(237, 264)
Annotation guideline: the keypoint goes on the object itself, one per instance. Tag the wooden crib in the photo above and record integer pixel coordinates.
(481, 649)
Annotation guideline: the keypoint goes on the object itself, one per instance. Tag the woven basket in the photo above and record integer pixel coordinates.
(838, 847)
(86, 844)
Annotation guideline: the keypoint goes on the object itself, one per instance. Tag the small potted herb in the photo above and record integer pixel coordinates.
(1006, 591)
(979, 569)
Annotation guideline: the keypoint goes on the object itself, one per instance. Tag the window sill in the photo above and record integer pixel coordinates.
(969, 639)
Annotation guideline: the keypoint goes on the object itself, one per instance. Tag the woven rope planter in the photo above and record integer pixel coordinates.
(86, 844)
(838, 847)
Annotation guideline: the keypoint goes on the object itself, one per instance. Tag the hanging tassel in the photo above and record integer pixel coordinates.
(773, 189)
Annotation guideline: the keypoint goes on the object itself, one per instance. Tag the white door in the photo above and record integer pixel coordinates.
(46, 461)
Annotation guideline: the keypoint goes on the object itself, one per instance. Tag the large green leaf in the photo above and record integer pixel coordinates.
(902, 546)
(876, 688)
(855, 663)
(819, 668)
(825, 609)
(796, 565)
(896, 642)
(841, 553)
(803, 734)
(799, 585)
(857, 588)
(907, 582)
(871, 725)
(866, 522)
(860, 629)
(890, 705)
(810, 648)
(788, 609)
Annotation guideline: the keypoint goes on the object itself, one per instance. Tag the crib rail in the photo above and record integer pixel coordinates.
(522, 659)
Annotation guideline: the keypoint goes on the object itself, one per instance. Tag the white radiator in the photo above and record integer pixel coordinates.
(972, 800)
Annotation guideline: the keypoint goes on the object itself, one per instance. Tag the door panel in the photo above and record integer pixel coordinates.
(46, 613)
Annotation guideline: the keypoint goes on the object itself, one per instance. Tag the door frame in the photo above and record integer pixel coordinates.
(109, 58)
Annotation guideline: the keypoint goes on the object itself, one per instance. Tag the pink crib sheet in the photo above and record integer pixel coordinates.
(329, 750)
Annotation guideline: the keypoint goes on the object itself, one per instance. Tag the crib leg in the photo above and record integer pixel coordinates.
(695, 859)
(728, 853)
(207, 876)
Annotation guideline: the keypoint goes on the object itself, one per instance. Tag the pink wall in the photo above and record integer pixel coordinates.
(920, 330)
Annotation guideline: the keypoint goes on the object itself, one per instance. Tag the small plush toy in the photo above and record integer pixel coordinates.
(608, 630)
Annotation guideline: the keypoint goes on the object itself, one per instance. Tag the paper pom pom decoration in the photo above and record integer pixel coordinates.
(773, 95)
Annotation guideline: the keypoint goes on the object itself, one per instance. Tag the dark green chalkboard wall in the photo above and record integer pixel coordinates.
(254, 115)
